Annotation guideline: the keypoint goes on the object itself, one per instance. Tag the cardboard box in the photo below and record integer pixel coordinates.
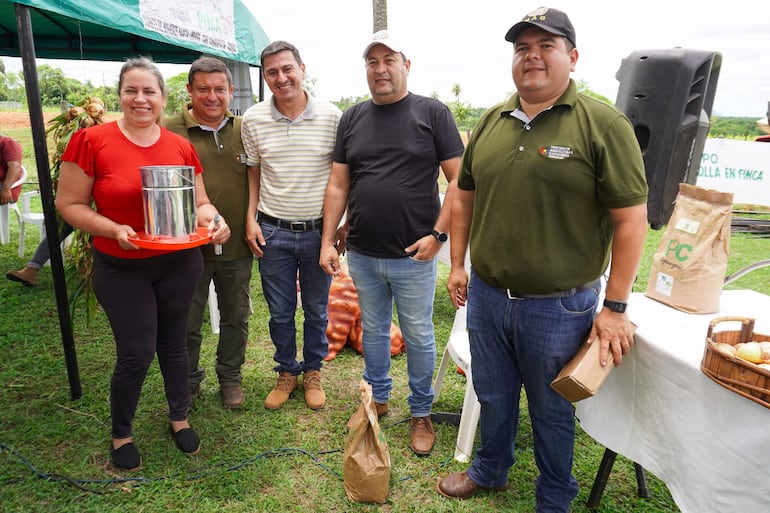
(583, 374)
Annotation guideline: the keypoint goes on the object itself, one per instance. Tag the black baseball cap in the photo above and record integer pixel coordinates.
(546, 18)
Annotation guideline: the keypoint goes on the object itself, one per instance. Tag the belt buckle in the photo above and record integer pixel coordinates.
(298, 226)
(511, 296)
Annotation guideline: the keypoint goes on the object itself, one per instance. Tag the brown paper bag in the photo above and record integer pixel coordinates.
(366, 461)
(688, 269)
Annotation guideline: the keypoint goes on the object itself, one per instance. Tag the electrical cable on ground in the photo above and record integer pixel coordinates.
(87, 485)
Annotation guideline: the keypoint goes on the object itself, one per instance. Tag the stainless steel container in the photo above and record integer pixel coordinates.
(168, 199)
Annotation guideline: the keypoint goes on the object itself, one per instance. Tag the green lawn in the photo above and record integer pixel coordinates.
(53, 450)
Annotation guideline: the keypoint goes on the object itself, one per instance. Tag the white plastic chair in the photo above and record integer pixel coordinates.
(29, 217)
(458, 350)
(5, 222)
(213, 308)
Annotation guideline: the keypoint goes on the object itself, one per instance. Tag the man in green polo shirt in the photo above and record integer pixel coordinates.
(216, 134)
(552, 182)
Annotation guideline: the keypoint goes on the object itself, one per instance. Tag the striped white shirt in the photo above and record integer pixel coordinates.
(295, 156)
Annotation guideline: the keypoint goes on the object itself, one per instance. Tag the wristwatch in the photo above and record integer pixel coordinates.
(442, 237)
(615, 306)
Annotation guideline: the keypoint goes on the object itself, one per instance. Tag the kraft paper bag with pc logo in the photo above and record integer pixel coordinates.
(688, 269)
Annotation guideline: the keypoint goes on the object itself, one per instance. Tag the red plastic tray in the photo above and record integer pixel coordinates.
(166, 243)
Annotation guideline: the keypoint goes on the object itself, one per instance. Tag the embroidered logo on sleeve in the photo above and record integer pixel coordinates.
(556, 152)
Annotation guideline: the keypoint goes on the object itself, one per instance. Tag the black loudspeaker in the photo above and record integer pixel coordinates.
(668, 95)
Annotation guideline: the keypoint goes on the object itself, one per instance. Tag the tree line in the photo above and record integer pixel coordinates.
(57, 90)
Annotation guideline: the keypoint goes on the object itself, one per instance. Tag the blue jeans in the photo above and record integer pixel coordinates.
(43, 252)
(412, 284)
(526, 342)
(285, 254)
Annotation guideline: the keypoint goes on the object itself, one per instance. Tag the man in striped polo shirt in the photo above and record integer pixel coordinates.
(289, 141)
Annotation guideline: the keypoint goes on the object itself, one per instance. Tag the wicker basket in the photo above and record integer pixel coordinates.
(740, 376)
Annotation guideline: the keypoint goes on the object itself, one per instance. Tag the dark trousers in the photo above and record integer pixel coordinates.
(147, 302)
(232, 284)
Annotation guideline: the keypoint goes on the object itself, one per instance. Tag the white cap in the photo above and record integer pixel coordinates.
(383, 37)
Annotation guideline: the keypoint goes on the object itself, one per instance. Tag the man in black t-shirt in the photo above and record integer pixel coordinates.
(385, 171)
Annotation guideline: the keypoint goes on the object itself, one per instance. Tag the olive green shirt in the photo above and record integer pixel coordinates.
(543, 190)
(224, 173)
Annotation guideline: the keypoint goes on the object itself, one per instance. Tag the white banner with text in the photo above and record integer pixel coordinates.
(740, 167)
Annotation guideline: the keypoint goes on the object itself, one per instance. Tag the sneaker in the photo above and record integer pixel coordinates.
(422, 436)
(26, 276)
(232, 396)
(280, 394)
(315, 398)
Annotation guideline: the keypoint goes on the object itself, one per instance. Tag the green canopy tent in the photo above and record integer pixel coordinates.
(111, 30)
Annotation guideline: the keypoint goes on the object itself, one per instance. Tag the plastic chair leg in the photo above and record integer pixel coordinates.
(213, 308)
(438, 382)
(4, 225)
(469, 420)
(22, 234)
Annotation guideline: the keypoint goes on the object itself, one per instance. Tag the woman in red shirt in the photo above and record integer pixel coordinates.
(146, 293)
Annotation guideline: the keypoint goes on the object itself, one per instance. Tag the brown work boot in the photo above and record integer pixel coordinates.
(232, 396)
(280, 394)
(421, 434)
(315, 398)
(382, 409)
(26, 276)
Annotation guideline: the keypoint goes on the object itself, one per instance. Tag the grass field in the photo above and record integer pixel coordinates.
(53, 450)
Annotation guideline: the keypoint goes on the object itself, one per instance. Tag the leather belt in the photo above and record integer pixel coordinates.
(295, 226)
(562, 293)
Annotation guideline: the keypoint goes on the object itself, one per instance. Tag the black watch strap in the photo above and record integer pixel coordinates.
(440, 236)
(615, 306)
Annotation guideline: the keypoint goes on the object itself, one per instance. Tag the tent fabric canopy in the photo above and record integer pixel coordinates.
(111, 30)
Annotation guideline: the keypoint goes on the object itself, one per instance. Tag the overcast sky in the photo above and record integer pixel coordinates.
(462, 42)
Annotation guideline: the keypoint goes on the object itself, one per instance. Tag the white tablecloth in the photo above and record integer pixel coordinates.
(709, 445)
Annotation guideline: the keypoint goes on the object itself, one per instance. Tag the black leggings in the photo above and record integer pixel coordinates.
(147, 302)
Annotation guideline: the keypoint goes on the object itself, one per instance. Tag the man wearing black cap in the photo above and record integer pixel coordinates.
(552, 182)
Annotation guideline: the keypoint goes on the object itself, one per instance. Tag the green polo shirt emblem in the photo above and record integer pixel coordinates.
(556, 152)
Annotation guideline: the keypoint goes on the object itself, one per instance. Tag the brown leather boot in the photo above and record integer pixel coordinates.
(382, 409)
(315, 397)
(26, 276)
(421, 434)
(232, 396)
(280, 394)
(460, 486)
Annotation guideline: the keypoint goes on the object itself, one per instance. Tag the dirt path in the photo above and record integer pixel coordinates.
(16, 119)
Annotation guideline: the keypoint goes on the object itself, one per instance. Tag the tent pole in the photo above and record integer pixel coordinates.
(27, 47)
